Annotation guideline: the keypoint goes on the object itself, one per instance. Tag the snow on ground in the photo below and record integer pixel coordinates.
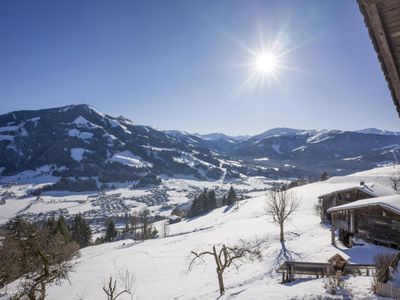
(160, 265)
(128, 193)
(79, 134)
(78, 153)
(128, 158)
(175, 196)
(12, 207)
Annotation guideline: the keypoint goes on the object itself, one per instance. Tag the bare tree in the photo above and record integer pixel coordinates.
(384, 262)
(126, 281)
(395, 183)
(165, 229)
(226, 256)
(33, 285)
(280, 205)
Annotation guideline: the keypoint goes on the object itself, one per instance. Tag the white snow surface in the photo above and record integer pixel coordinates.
(372, 188)
(128, 158)
(389, 202)
(78, 153)
(81, 135)
(262, 159)
(160, 266)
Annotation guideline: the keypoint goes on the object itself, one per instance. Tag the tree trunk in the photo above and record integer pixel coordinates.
(282, 236)
(221, 283)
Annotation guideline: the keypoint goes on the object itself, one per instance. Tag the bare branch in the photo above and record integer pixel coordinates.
(198, 256)
(281, 204)
(227, 256)
(126, 280)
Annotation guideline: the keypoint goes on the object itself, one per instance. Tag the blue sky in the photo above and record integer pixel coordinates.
(180, 64)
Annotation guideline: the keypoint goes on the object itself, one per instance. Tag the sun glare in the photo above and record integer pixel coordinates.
(266, 63)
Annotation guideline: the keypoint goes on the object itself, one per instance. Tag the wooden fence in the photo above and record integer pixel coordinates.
(387, 290)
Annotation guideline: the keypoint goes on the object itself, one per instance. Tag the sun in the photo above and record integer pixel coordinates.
(266, 63)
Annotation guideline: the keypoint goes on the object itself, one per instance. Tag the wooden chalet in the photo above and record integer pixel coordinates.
(374, 220)
(382, 18)
(350, 193)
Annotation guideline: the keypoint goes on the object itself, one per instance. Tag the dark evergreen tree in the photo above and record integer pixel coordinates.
(231, 199)
(324, 176)
(211, 200)
(51, 225)
(127, 229)
(134, 224)
(111, 232)
(62, 229)
(197, 207)
(224, 201)
(81, 232)
(203, 203)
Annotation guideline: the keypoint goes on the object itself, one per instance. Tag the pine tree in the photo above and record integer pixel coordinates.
(126, 226)
(81, 232)
(211, 200)
(224, 201)
(324, 176)
(111, 232)
(51, 225)
(197, 207)
(134, 222)
(144, 219)
(231, 197)
(62, 228)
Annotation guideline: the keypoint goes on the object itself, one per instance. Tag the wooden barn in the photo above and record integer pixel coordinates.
(375, 220)
(350, 193)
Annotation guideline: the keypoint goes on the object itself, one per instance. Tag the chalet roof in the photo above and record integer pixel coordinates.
(372, 188)
(382, 18)
(391, 203)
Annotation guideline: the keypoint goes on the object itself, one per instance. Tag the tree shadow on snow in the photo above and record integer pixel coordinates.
(285, 255)
(190, 219)
(299, 280)
(228, 208)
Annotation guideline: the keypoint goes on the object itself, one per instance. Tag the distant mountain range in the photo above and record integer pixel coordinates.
(77, 143)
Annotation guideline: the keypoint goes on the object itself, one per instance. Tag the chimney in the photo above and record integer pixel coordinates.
(362, 182)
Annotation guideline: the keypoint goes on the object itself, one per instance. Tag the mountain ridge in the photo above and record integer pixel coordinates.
(81, 142)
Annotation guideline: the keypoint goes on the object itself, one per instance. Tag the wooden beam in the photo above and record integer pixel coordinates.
(382, 42)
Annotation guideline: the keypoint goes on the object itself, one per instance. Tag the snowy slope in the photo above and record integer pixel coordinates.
(160, 266)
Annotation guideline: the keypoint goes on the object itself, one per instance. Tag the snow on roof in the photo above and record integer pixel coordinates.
(389, 202)
(372, 188)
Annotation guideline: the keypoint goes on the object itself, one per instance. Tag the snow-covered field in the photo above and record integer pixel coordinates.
(160, 266)
(172, 191)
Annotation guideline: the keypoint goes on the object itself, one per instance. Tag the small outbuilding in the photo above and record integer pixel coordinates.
(336, 265)
(350, 193)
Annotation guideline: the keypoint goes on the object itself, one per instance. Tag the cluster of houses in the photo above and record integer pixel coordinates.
(367, 211)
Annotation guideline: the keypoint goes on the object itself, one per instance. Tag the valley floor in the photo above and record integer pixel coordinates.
(160, 266)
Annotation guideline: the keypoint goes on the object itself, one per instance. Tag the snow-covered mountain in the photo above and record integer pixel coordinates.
(87, 149)
(78, 142)
(218, 136)
(378, 131)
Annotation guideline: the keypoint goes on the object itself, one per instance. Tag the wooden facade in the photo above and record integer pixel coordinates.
(338, 198)
(372, 223)
(382, 18)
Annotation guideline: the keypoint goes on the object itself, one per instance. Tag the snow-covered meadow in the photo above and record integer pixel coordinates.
(160, 266)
